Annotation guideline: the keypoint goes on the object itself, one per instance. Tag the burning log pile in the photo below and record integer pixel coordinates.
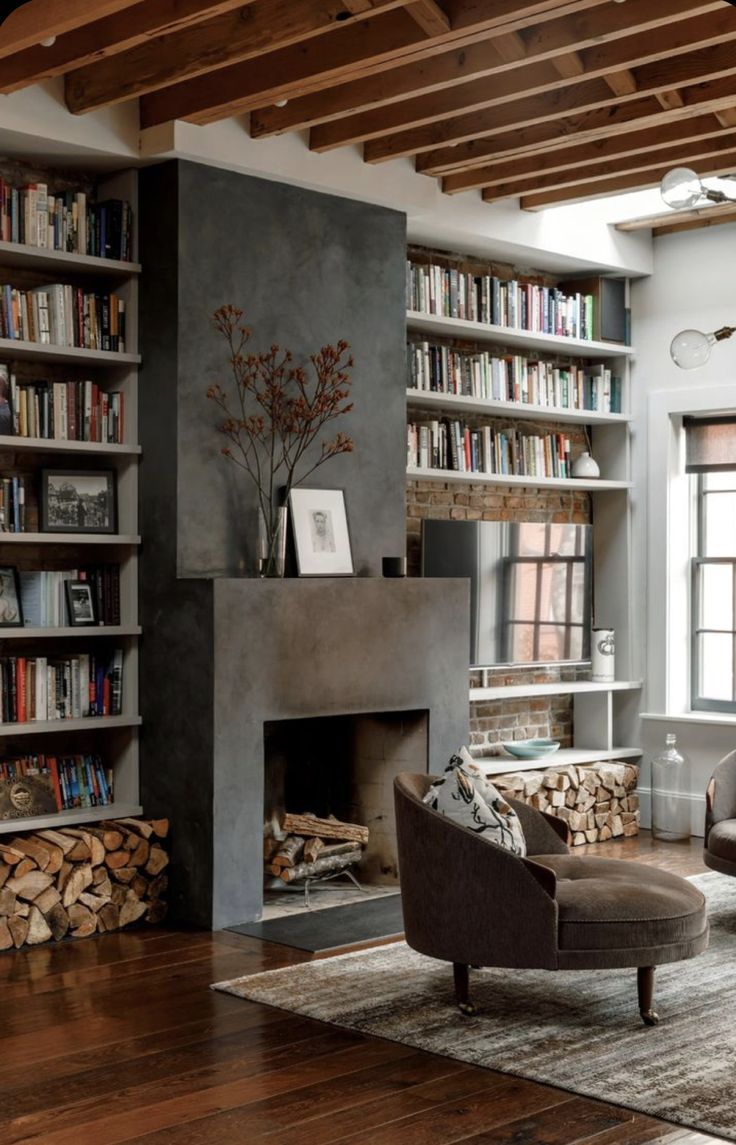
(298, 847)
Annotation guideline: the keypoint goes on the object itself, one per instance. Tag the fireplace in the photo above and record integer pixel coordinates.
(341, 766)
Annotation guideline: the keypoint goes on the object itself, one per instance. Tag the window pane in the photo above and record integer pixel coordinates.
(720, 525)
(716, 666)
(724, 480)
(716, 596)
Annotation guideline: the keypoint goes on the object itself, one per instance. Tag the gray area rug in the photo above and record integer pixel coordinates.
(578, 1030)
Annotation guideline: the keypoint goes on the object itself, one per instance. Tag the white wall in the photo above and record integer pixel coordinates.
(692, 285)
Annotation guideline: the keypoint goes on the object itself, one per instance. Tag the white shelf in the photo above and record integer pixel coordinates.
(69, 539)
(452, 475)
(44, 727)
(17, 349)
(39, 258)
(77, 815)
(80, 631)
(560, 688)
(55, 445)
(430, 399)
(434, 324)
(508, 765)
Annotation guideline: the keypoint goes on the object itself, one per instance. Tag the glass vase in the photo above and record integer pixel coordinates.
(671, 793)
(272, 542)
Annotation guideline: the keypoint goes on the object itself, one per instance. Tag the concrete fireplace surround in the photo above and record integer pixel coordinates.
(310, 648)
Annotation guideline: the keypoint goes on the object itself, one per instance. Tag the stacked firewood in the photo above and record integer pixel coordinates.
(80, 880)
(305, 847)
(598, 801)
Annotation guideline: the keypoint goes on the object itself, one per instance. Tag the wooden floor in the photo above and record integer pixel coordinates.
(119, 1039)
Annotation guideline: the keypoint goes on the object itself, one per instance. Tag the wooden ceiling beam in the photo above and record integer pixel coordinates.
(721, 164)
(705, 70)
(681, 220)
(40, 19)
(352, 52)
(103, 38)
(430, 17)
(581, 155)
(261, 26)
(485, 57)
(704, 47)
(697, 154)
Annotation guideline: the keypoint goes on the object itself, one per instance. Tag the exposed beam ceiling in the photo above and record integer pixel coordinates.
(547, 101)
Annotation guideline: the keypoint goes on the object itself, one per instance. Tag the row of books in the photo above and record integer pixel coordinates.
(63, 688)
(452, 293)
(63, 315)
(513, 378)
(43, 784)
(18, 504)
(44, 596)
(67, 221)
(62, 411)
(449, 444)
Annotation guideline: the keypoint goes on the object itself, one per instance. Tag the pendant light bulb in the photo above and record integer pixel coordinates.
(691, 348)
(681, 188)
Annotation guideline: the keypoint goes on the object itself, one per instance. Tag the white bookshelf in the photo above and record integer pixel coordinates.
(434, 325)
(496, 407)
(557, 688)
(508, 764)
(115, 738)
(415, 473)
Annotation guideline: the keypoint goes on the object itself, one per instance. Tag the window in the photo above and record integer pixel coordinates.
(711, 458)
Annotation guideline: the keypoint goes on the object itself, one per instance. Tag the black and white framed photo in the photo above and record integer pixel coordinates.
(80, 603)
(83, 502)
(11, 610)
(320, 527)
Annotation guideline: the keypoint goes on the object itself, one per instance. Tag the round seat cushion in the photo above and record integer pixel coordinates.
(608, 904)
(722, 840)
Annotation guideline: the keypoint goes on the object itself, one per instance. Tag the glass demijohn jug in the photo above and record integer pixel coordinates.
(671, 793)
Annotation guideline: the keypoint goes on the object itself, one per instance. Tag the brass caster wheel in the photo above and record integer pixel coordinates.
(650, 1017)
(467, 1009)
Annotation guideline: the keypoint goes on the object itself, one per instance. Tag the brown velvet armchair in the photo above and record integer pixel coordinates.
(719, 845)
(475, 904)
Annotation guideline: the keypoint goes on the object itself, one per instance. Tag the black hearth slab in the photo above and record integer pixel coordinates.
(333, 927)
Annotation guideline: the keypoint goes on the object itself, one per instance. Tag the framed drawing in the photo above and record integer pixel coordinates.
(80, 603)
(320, 528)
(11, 611)
(78, 502)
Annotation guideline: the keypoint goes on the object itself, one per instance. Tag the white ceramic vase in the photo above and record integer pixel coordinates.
(586, 466)
(603, 655)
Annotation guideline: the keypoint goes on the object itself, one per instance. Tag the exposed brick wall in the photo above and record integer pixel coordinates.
(492, 722)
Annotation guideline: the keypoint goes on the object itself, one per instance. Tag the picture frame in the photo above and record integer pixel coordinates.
(11, 604)
(80, 603)
(320, 530)
(78, 501)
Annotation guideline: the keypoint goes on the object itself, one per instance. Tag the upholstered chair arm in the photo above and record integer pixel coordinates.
(544, 834)
(470, 901)
(720, 797)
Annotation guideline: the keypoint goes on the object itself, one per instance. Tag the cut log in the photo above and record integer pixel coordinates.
(160, 827)
(82, 920)
(7, 901)
(39, 852)
(131, 910)
(23, 909)
(79, 853)
(63, 875)
(47, 900)
(102, 886)
(6, 936)
(139, 886)
(312, 848)
(19, 929)
(92, 842)
(58, 921)
(110, 837)
(94, 902)
(156, 911)
(118, 894)
(56, 855)
(145, 830)
(9, 855)
(115, 859)
(30, 885)
(57, 839)
(78, 881)
(139, 856)
(108, 917)
(38, 929)
(4, 874)
(158, 886)
(324, 828)
(289, 853)
(24, 866)
(125, 874)
(321, 866)
(157, 860)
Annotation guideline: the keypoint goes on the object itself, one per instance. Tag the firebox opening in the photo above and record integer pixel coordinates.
(337, 768)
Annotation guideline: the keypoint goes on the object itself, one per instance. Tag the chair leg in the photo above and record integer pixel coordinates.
(462, 988)
(645, 989)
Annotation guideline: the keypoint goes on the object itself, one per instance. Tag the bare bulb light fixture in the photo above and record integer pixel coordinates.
(691, 348)
(47, 41)
(682, 188)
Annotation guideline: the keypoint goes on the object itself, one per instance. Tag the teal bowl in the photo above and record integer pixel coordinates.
(531, 748)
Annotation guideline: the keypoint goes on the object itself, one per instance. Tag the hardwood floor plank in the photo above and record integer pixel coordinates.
(571, 1123)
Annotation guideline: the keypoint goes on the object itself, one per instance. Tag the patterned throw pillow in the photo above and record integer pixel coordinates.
(465, 795)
